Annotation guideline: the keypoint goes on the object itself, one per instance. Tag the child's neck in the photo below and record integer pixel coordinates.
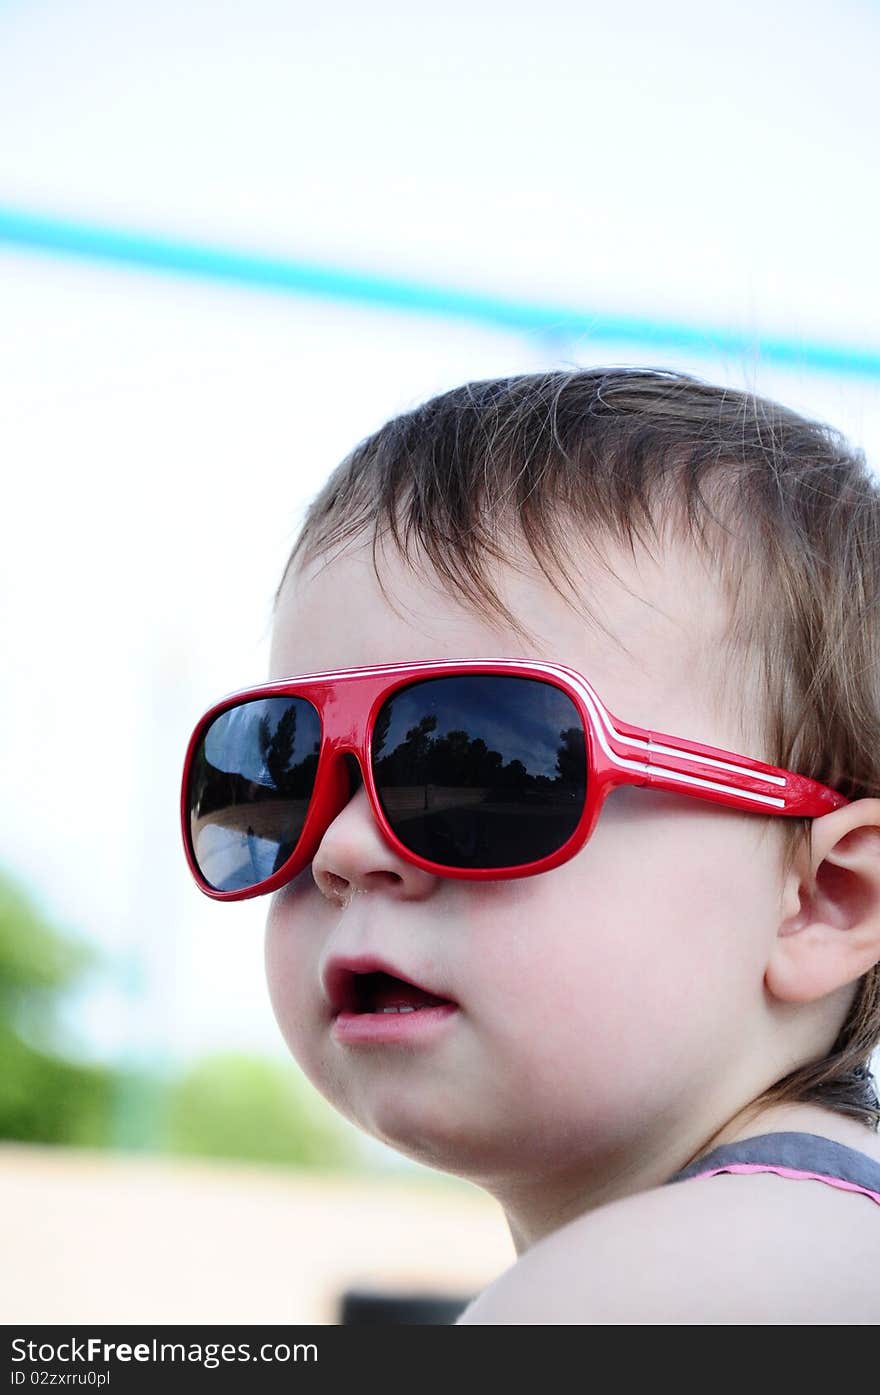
(794, 1118)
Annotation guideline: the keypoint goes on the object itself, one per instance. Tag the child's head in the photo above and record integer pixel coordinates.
(721, 556)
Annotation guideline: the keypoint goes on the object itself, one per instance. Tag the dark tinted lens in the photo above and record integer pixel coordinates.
(249, 789)
(481, 770)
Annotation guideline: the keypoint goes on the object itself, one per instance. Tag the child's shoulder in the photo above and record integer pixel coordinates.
(734, 1248)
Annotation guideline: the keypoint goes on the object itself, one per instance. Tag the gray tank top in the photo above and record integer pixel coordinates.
(802, 1156)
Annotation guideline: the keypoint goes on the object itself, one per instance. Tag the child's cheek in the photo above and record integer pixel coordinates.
(294, 991)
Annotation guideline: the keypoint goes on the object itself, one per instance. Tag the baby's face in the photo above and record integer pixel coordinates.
(605, 1007)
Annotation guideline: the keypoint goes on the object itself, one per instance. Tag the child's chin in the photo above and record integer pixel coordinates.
(452, 1144)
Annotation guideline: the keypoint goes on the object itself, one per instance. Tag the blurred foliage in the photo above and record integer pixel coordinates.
(227, 1105)
(34, 958)
(231, 1105)
(43, 1096)
(46, 1099)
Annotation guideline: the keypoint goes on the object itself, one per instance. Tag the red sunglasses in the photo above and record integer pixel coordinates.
(478, 769)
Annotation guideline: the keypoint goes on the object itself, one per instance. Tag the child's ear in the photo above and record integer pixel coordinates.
(831, 933)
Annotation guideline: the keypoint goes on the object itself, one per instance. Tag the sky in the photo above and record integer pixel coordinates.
(161, 437)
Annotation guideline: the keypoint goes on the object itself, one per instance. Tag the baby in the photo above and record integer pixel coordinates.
(565, 784)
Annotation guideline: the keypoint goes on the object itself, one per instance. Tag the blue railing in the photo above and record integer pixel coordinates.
(290, 276)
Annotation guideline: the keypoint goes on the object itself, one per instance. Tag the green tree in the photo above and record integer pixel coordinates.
(232, 1105)
(44, 1097)
(227, 1105)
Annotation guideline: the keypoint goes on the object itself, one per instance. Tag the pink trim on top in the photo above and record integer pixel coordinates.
(789, 1172)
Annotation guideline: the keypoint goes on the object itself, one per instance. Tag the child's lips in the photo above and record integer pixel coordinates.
(387, 1028)
(339, 980)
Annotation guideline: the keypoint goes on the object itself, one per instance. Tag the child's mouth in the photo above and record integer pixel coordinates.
(382, 993)
(387, 1010)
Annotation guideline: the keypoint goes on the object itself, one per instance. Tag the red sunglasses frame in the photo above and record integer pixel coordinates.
(618, 753)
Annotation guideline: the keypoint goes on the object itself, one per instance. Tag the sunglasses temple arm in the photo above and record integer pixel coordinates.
(739, 782)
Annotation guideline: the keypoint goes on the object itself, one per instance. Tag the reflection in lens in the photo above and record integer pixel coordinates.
(249, 788)
(481, 770)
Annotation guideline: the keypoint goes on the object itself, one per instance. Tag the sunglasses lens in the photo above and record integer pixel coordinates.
(481, 770)
(249, 788)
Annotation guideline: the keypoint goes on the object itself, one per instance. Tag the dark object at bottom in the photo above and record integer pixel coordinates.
(359, 1306)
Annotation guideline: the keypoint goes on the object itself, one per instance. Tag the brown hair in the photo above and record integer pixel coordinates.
(783, 507)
